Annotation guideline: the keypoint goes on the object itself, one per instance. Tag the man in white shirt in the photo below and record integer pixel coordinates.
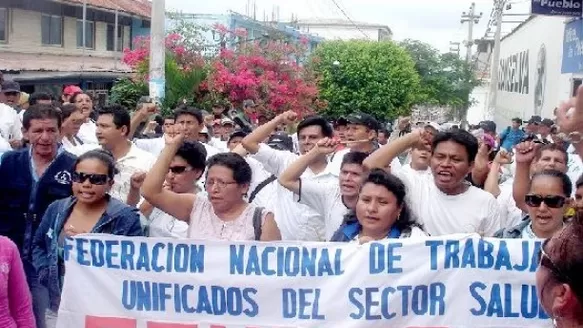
(191, 122)
(331, 200)
(444, 201)
(113, 127)
(295, 221)
(154, 146)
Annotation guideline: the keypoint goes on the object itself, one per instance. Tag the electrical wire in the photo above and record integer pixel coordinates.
(349, 19)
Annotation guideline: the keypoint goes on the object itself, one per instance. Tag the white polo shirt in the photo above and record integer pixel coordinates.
(10, 124)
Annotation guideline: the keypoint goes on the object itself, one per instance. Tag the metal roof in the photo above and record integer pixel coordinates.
(142, 8)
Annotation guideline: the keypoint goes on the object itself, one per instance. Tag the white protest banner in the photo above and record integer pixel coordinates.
(456, 282)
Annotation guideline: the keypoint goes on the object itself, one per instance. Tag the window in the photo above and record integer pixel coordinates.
(3, 24)
(111, 37)
(89, 34)
(52, 30)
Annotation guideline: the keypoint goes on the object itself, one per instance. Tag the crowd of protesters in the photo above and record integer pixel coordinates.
(239, 174)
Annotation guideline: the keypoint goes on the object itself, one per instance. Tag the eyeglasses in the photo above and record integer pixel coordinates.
(551, 201)
(547, 262)
(219, 183)
(95, 179)
(179, 169)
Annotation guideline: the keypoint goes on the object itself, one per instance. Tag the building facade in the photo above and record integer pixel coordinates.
(337, 29)
(255, 30)
(531, 80)
(42, 44)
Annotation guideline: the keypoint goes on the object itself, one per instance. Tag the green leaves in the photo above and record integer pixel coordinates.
(378, 78)
(127, 92)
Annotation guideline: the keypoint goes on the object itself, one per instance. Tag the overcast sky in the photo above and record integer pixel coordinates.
(434, 21)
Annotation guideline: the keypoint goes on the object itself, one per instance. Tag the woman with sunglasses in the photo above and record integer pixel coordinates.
(558, 277)
(89, 210)
(185, 170)
(548, 200)
(221, 215)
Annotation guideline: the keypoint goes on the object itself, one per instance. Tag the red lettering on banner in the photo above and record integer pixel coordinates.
(217, 326)
(171, 325)
(109, 322)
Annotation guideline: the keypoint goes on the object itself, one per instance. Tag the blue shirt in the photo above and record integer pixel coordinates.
(510, 138)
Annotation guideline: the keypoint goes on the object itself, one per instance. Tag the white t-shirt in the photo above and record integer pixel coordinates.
(510, 215)
(153, 146)
(267, 196)
(10, 124)
(219, 144)
(407, 168)
(87, 132)
(326, 199)
(162, 224)
(295, 221)
(474, 211)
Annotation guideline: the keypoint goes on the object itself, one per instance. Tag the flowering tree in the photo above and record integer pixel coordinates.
(267, 71)
(185, 69)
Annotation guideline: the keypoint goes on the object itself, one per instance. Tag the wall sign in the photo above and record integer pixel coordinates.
(540, 80)
(573, 47)
(557, 7)
(513, 73)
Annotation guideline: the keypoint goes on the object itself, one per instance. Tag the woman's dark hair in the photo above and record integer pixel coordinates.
(67, 110)
(326, 128)
(565, 260)
(241, 170)
(379, 177)
(565, 181)
(194, 154)
(461, 137)
(103, 156)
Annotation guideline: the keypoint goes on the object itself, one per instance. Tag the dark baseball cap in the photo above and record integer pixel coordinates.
(237, 134)
(281, 141)
(548, 122)
(535, 120)
(10, 86)
(363, 119)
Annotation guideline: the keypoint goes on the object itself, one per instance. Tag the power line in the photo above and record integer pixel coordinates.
(350, 20)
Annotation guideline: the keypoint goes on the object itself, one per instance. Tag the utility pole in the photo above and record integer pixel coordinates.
(471, 18)
(491, 108)
(454, 47)
(157, 51)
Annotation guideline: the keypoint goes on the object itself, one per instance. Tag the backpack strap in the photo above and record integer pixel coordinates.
(261, 186)
(257, 216)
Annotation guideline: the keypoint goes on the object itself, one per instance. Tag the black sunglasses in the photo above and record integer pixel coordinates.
(551, 201)
(545, 261)
(96, 179)
(179, 169)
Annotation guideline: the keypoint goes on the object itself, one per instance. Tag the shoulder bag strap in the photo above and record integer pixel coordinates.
(257, 222)
(261, 186)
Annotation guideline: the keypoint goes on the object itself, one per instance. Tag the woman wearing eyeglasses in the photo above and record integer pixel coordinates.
(89, 210)
(221, 215)
(558, 277)
(547, 201)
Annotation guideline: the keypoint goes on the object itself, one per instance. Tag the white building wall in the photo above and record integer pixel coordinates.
(516, 99)
(342, 32)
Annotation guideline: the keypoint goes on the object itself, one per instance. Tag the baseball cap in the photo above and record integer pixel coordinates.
(433, 125)
(363, 119)
(281, 141)
(226, 121)
(71, 90)
(548, 122)
(249, 103)
(204, 130)
(535, 120)
(10, 86)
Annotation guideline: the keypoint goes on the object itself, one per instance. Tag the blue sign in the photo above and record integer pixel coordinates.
(572, 8)
(573, 47)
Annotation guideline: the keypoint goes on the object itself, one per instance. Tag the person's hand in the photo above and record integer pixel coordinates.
(15, 144)
(503, 157)
(404, 122)
(570, 114)
(525, 152)
(326, 146)
(423, 138)
(174, 136)
(137, 180)
(288, 117)
(148, 109)
(208, 120)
